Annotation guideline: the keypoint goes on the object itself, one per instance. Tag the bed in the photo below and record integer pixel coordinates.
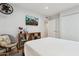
(51, 47)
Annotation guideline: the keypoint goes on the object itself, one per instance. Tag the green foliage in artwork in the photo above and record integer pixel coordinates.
(30, 20)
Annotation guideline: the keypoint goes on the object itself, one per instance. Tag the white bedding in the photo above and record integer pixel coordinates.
(51, 47)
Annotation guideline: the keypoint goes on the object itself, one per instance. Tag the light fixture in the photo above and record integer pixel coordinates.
(6, 8)
(46, 7)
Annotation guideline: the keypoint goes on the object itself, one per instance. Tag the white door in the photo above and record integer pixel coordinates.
(51, 28)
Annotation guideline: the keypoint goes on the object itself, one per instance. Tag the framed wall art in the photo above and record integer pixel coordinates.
(31, 20)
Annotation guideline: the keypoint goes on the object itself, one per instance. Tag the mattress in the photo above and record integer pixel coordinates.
(51, 47)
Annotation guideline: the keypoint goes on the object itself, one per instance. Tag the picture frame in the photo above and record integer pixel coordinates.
(31, 20)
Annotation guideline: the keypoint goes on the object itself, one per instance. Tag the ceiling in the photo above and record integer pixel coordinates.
(47, 9)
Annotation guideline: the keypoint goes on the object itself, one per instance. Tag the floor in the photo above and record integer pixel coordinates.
(20, 53)
(17, 54)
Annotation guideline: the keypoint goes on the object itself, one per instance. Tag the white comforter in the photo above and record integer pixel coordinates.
(51, 47)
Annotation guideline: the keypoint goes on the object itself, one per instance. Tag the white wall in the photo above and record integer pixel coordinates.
(70, 27)
(10, 23)
(68, 24)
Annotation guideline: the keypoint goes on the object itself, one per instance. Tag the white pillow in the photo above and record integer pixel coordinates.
(7, 39)
(3, 44)
(1, 38)
(4, 40)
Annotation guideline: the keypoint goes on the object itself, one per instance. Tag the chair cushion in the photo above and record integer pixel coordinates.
(4, 40)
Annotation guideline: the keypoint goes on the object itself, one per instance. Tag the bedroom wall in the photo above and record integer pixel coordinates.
(69, 24)
(70, 27)
(10, 23)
